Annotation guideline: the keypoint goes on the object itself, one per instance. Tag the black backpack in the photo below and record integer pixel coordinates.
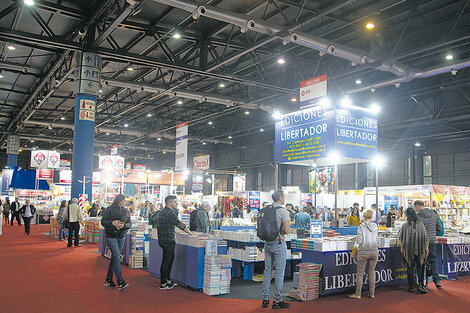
(267, 228)
(192, 220)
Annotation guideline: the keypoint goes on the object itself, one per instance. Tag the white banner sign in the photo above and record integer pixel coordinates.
(201, 163)
(239, 181)
(111, 162)
(313, 88)
(45, 159)
(181, 156)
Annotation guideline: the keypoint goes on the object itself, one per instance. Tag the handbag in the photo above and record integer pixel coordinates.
(429, 271)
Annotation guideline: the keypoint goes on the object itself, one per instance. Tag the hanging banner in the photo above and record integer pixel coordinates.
(312, 135)
(313, 88)
(64, 163)
(139, 167)
(239, 181)
(254, 200)
(53, 159)
(181, 155)
(13, 144)
(39, 158)
(65, 177)
(201, 163)
(111, 162)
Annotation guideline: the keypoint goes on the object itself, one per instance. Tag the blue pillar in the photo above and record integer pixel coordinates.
(12, 160)
(82, 158)
(86, 88)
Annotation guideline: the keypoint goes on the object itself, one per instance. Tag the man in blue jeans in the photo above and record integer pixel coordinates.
(275, 252)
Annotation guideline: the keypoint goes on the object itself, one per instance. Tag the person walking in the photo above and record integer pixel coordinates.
(167, 220)
(203, 222)
(433, 226)
(61, 219)
(6, 210)
(275, 250)
(414, 242)
(27, 212)
(15, 212)
(116, 221)
(93, 211)
(74, 216)
(366, 250)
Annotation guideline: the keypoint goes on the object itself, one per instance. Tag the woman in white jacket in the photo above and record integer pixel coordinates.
(367, 247)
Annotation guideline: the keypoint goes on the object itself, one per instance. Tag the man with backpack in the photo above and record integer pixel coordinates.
(273, 225)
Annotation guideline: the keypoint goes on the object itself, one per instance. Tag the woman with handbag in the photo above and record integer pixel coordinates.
(414, 243)
(61, 219)
(366, 250)
(116, 221)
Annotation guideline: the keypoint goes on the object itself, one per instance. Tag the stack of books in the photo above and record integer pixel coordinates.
(212, 273)
(226, 274)
(136, 259)
(308, 284)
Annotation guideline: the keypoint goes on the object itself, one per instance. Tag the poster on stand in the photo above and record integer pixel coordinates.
(316, 229)
(181, 155)
(254, 200)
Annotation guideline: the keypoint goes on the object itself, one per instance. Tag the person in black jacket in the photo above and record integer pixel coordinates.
(15, 212)
(116, 221)
(27, 211)
(391, 216)
(93, 211)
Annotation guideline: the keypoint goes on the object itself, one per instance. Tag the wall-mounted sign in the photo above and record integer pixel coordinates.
(87, 110)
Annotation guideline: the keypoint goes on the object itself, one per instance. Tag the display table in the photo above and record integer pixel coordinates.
(188, 266)
(54, 227)
(338, 273)
(235, 228)
(104, 249)
(92, 230)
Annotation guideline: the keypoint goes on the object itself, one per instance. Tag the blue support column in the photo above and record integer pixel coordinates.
(86, 89)
(82, 159)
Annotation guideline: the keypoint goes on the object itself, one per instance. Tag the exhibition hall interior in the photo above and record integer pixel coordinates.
(234, 155)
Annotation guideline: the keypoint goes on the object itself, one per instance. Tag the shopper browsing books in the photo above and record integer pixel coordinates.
(61, 219)
(273, 225)
(167, 221)
(354, 219)
(414, 243)
(366, 249)
(433, 226)
(116, 221)
(203, 222)
(303, 220)
(235, 211)
(391, 216)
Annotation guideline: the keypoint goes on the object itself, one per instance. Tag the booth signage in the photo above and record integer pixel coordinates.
(13, 144)
(239, 181)
(312, 134)
(139, 167)
(313, 88)
(44, 174)
(111, 162)
(114, 149)
(181, 155)
(456, 260)
(45, 159)
(316, 229)
(254, 200)
(198, 183)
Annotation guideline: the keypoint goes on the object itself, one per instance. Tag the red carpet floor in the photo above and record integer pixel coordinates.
(39, 274)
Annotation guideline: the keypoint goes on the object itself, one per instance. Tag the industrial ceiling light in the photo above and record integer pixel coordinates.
(177, 35)
(417, 144)
(180, 102)
(159, 138)
(29, 2)
(370, 25)
(346, 101)
(100, 91)
(62, 118)
(277, 115)
(1, 76)
(230, 137)
(358, 81)
(149, 114)
(221, 85)
(293, 99)
(375, 108)
(107, 134)
(210, 123)
(261, 130)
(204, 143)
(11, 47)
(449, 57)
(247, 112)
(130, 68)
(126, 125)
(164, 152)
(281, 60)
